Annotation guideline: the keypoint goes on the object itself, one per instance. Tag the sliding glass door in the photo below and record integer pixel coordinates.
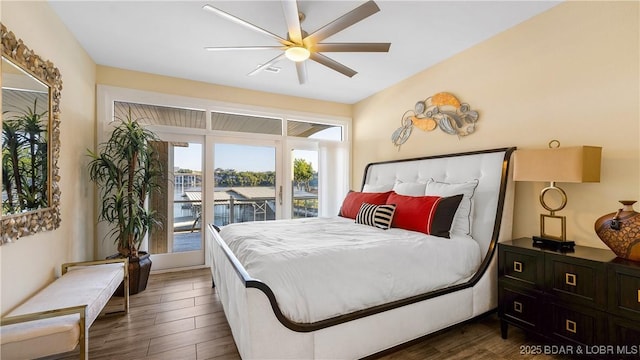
(229, 163)
(246, 185)
(304, 185)
(179, 242)
(187, 197)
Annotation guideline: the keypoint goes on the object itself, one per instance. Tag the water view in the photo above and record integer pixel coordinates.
(239, 196)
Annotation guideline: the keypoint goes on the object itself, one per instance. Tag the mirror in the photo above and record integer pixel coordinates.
(25, 121)
(30, 141)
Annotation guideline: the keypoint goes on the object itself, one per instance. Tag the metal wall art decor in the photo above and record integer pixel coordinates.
(440, 110)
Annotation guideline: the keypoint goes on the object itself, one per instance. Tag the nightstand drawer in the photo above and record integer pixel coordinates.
(577, 280)
(581, 296)
(624, 291)
(583, 326)
(520, 306)
(623, 331)
(521, 266)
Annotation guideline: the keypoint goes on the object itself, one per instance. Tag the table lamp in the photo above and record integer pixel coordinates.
(576, 164)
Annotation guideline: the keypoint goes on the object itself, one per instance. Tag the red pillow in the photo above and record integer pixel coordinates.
(431, 215)
(352, 203)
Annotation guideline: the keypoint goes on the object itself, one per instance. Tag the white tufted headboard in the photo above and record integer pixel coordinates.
(493, 197)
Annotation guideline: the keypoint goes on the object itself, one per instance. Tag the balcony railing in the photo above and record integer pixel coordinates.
(187, 222)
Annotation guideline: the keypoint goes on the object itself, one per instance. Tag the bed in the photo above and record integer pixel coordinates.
(333, 288)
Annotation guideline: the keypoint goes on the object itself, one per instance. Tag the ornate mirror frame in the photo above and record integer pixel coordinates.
(14, 226)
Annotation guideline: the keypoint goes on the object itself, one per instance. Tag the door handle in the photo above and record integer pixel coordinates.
(280, 195)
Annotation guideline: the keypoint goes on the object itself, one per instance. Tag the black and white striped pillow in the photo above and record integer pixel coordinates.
(379, 216)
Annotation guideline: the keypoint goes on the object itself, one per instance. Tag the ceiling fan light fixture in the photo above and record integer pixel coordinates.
(297, 53)
(299, 46)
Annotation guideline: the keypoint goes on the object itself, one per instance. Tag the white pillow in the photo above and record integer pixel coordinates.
(369, 188)
(464, 215)
(409, 188)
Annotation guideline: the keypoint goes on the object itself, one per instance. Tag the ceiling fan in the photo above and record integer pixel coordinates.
(300, 46)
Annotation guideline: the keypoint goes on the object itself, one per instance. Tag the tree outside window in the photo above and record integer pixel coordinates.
(302, 174)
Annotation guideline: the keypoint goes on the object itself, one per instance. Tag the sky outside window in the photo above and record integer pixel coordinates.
(237, 157)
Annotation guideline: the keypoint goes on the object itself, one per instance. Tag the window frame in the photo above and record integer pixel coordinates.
(107, 95)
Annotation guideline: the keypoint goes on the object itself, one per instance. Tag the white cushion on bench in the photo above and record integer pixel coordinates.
(40, 338)
(82, 285)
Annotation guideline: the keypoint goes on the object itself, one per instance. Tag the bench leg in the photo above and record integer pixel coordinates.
(126, 298)
(126, 293)
(84, 338)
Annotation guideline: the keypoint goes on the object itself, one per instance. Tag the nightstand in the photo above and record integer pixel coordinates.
(623, 279)
(587, 296)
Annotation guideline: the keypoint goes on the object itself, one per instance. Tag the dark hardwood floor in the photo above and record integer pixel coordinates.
(180, 317)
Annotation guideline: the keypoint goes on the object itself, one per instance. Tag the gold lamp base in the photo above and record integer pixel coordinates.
(558, 239)
(553, 244)
(553, 224)
(576, 164)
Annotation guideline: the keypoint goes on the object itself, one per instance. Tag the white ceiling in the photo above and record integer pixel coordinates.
(168, 37)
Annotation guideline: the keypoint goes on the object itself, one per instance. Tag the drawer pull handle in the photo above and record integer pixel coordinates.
(571, 326)
(570, 279)
(639, 295)
(517, 266)
(517, 307)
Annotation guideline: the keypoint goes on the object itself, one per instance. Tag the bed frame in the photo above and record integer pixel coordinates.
(261, 331)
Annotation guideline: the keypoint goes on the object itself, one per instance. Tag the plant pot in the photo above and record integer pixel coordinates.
(620, 231)
(139, 269)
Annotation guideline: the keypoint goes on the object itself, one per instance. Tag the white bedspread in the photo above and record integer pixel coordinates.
(319, 268)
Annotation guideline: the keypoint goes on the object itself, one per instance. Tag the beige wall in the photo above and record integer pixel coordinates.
(571, 73)
(32, 261)
(175, 86)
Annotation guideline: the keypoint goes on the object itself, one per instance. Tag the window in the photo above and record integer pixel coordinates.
(304, 201)
(227, 188)
(246, 123)
(160, 115)
(313, 130)
(245, 183)
(187, 197)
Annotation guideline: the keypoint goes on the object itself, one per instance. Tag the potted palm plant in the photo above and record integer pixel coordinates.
(127, 169)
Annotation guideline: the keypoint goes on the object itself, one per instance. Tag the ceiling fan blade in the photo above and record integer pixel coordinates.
(332, 64)
(352, 47)
(290, 9)
(360, 13)
(244, 23)
(224, 48)
(267, 64)
(301, 68)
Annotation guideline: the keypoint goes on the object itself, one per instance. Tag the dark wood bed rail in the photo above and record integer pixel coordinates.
(250, 282)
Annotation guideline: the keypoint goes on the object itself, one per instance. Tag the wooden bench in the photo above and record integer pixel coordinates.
(57, 319)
